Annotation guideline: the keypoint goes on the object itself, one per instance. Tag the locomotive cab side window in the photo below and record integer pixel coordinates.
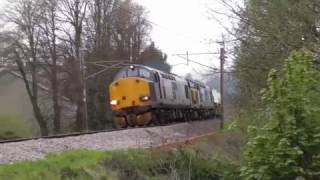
(144, 73)
(174, 90)
(186, 91)
(156, 77)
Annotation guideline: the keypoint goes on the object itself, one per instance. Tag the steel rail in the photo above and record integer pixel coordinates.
(75, 134)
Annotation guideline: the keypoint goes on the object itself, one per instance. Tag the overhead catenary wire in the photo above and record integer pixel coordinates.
(195, 62)
(239, 67)
(199, 53)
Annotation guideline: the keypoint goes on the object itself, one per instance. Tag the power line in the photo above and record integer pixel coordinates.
(194, 54)
(242, 67)
(195, 62)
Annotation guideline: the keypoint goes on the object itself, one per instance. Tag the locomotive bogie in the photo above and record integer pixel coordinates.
(120, 122)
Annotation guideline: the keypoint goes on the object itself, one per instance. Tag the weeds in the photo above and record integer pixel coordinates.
(123, 165)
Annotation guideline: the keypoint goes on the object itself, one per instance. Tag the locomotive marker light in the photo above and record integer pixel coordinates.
(144, 98)
(132, 67)
(114, 102)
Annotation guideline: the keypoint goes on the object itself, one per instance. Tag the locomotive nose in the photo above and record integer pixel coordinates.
(129, 92)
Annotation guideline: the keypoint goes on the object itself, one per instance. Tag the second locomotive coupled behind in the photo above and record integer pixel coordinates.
(140, 95)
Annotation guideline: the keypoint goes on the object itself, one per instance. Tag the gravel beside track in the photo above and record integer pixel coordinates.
(132, 138)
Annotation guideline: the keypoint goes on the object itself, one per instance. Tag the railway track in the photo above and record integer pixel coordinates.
(81, 133)
(59, 136)
(143, 137)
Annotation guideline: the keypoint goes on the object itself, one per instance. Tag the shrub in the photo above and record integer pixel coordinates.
(288, 146)
(170, 165)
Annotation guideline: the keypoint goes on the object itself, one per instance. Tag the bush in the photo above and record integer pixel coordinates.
(288, 146)
(239, 125)
(170, 165)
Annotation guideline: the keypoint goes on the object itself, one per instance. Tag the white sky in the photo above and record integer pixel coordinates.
(184, 25)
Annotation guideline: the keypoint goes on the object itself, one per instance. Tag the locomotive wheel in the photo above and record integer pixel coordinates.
(156, 118)
(186, 116)
(120, 122)
(179, 116)
(162, 117)
(161, 120)
(118, 126)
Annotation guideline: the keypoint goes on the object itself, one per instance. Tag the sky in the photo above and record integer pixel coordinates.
(185, 25)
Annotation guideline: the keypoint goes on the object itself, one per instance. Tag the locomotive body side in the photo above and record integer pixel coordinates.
(141, 96)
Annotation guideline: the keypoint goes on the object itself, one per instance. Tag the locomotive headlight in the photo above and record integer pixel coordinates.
(114, 102)
(144, 98)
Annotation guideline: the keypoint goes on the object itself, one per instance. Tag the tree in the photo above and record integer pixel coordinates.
(155, 58)
(288, 145)
(114, 31)
(49, 28)
(51, 43)
(267, 32)
(74, 13)
(23, 43)
(130, 29)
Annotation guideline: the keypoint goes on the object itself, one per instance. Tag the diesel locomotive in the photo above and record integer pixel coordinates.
(140, 96)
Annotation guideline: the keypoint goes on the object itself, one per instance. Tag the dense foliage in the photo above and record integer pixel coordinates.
(288, 145)
(268, 31)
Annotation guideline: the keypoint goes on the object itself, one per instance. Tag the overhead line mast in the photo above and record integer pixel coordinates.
(222, 61)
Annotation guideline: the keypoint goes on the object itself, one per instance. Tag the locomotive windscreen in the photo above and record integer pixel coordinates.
(134, 72)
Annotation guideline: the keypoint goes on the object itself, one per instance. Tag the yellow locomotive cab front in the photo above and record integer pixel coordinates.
(129, 99)
(129, 92)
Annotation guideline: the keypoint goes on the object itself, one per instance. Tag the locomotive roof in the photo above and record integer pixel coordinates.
(157, 70)
(196, 82)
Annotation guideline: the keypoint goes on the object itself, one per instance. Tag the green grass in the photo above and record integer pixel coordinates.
(122, 165)
(70, 165)
(11, 127)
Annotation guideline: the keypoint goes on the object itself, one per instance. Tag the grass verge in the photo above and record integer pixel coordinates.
(156, 164)
(11, 128)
